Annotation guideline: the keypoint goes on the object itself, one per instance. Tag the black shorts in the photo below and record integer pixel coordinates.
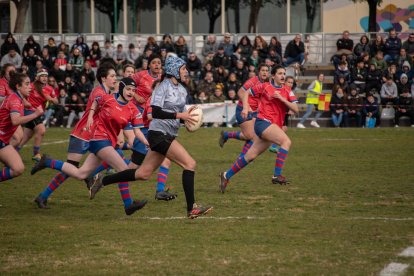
(137, 158)
(33, 123)
(285, 123)
(159, 141)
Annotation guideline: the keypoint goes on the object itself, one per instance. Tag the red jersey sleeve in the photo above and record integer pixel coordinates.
(136, 118)
(291, 95)
(15, 106)
(258, 89)
(250, 83)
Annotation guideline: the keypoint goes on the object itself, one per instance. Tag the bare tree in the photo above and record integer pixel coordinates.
(22, 6)
(372, 21)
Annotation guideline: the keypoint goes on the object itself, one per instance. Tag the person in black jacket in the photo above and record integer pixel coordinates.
(392, 46)
(337, 106)
(31, 44)
(295, 51)
(9, 43)
(374, 78)
(404, 108)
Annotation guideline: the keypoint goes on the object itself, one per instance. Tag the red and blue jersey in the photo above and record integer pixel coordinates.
(147, 111)
(144, 81)
(253, 100)
(112, 117)
(36, 99)
(270, 108)
(5, 90)
(80, 131)
(11, 104)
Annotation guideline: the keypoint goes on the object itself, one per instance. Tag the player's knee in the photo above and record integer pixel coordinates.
(18, 169)
(190, 165)
(143, 175)
(286, 143)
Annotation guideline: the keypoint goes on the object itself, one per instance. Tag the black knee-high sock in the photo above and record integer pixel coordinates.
(188, 186)
(124, 176)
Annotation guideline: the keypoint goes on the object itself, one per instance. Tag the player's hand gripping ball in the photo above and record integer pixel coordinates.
(197, 115)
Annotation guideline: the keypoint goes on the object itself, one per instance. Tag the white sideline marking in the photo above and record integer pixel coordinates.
(354, 139)
(213, 218)
(394, 269)
(49, 143)
(382, 218)
(408, 252)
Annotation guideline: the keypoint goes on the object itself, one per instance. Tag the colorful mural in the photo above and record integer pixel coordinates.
(390, 17)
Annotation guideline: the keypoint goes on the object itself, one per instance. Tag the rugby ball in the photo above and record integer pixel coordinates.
(191, 127)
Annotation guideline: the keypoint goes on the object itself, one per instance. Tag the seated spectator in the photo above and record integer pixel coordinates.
(208, 67)
(374, 78)
(371, 109)
(107, 53)
(232, 96)
(152, 44)
(403, 84)
(342, 70)
(295, 51)
(392, 46)
(144, 57)
(207, 85)
(181, 48)
(275, 45)
(337, 106)
(132, 54)
(251, 74)
(88, 72)
(194, 66)
(217, 96)
(84, 88)
(353, 104)
(227, 45)
(240, 71)
(221, 74)
(404, 108)
(30, 60)
(61, 60)
(261, 46)
(376, 45)
(76, 109)
(167, 44)
(389, 92)
(236, 56)
(254, 60)
(82, 46)
(65, 49)
(39, 65)
(76, 59)
(365, 58)
(31, 44)
(70, 72)
(390, 72)
(201, 98)
(163, 56)
(12, 57)
(379, 61)
(344, 45)
(57, 73)
(232, 84)
(120, 57)
(94, 54)
(275, 57)
(406, 69)
(46, 59)
(362, 46)
(24, 69)
(8, 44)
(220, 59)
(210, 45)
(343, 84)
(403, 58)
(51, 47)
(408, 45)
(69, 86)
(245, 47)
(359, 75)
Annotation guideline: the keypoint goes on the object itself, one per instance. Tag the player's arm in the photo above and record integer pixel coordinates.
(17, 119)
(290, 103)
(92, 110)
(50, 99)
(138, 98)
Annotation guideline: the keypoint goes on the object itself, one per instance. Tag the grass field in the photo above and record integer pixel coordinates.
(348, 211)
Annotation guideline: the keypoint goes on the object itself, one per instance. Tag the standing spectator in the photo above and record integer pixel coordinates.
(95, 54)
(344, 46)
(194, 66)
(228, 45)
(132, 54)
(359, 75)
(261, 46)
(373, 80)
(295, 51)
(88, 72)
(167, 44)
(76, 109)
(152, 44)
(12, 57)
(51, 47)
(107, 53)
(312, 99)
(220, 59)
(408, 45)
(181, 48)
(389, 92)
(404, 108)
(120, 57)
(46, 59)
(353, 108)
(371, 109)
(245, 47)
(362, 46)
(376, 45)
(9, 43)
(379, 61)
(210, 45)
(76, 59)
(337, 106)
(276, 45)
(241, 71)
(82, 46)
(392, 46)
(31, 44)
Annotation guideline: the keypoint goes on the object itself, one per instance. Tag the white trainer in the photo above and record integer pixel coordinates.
(299, 125)
(314, 124)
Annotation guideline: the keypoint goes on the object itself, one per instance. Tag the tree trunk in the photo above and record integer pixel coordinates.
(212, 16)
(310, 14)
(237, 17)
(254, 14)
(22, 6)
(372, 21)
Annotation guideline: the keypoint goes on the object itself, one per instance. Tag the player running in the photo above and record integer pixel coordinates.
(275, 97)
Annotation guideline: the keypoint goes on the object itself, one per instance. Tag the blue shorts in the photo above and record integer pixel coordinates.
(260, 126)
(2, 144)
(138, 146)
(77, 145)
(239, 117)
(128, 127)
(96, 145)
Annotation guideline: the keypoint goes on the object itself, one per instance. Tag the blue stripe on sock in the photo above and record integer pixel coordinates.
(238, 165)
(161, 184)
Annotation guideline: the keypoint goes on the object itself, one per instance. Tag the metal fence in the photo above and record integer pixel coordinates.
(320, 46)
